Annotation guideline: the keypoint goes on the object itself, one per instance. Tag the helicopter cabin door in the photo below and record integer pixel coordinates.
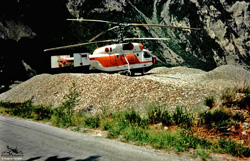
(113, 59)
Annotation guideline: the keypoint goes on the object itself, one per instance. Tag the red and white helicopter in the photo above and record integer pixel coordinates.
(119, 57)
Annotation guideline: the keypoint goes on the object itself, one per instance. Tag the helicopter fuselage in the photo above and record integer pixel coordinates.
(110, 58)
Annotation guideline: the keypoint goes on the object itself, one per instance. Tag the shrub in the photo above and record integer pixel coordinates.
(239, 117)
(115, 131)
(219, 119)
(245, 102)
(135, 134)
(23, 109)
(166, 118)
(228, 97)
(181, 141)
(210, 101)
(64, 113)
(132, 117)
(92, 121)
(42, 112)
(106, 124)
(233, 148)
(203, 153)
(188, 140)
(154, 115)
(182, 118)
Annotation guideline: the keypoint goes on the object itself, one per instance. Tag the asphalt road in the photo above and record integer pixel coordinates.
(35, 141)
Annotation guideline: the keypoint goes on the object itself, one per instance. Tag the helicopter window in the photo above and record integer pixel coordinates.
(128, 46)
(146, 54)
(118, 56)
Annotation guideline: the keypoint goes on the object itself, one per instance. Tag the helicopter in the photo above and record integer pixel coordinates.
(122, 56)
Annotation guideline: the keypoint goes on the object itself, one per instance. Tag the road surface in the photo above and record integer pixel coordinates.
(32, 141)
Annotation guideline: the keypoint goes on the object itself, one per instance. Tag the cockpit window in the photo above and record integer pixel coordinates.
(146, 54)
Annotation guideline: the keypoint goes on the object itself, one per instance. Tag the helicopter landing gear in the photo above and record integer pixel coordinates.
(127, 73)
(130, 73)
(143, 71)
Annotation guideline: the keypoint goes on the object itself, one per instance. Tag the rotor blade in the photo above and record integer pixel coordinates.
(103, 33)
(75, 45)
(134, 24)
(155, 25)
(92, 20)
(147, 39)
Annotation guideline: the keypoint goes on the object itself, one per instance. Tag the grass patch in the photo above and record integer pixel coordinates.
(129, 126)
(27, 110)
(181, 117)
(219, 119)
(92, 121)
(230, 147)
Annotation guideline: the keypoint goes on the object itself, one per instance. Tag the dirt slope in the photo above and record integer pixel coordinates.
(168, 87)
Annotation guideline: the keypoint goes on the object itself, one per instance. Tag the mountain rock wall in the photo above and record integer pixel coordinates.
(223, 38)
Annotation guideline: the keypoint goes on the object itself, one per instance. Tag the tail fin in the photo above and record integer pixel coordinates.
(61, 61)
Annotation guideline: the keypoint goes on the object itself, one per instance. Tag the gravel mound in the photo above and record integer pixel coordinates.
(229, 72)
(176, 70)
(167, 87)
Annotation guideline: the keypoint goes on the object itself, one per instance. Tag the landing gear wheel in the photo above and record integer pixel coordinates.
(143, 71)
(128, 73)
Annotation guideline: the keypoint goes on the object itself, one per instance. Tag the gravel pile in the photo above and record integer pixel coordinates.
(168, 87)
(225, 76)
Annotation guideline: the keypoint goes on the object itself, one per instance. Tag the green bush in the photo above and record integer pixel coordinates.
(132, 117)
(92, 121)
(63, 114)
(181, 141)
(115, 131)
(188, 140)
(166, 118)
(136, 134)
(154, 115)
(233, 148)
(42, 112)
(106, 124)
(179, 117)
(228, 97)
(28, 110)
(219, 119)
(23, 109)
(182, 118)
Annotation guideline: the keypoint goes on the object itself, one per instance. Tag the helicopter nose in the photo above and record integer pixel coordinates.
(154, 59)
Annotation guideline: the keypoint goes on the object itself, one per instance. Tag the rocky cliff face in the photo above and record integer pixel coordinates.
(223, 38)
(30, 26)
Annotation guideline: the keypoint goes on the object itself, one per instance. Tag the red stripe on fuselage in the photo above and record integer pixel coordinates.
(117, 60)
